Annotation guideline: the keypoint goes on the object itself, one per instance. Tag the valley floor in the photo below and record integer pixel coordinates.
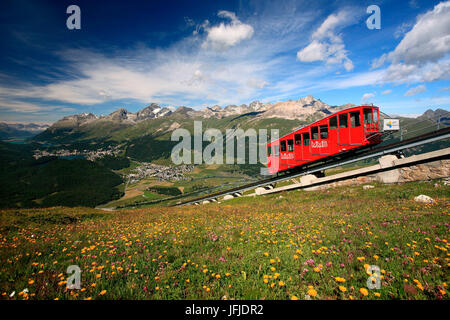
(295, 245)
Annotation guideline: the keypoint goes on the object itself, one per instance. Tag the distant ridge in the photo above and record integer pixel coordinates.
(122, 124)
(435, 115)
(20, 130)
(291, 109)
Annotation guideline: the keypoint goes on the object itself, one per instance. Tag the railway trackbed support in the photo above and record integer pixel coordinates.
(387, 167)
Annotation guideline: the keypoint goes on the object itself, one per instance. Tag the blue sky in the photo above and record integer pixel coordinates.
(202, 53)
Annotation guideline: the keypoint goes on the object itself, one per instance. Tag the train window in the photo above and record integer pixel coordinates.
(333, 122)
(290, 145)
(314, 133)
(375, 115)
(324, 132)
(298, 139)
(367, 112)
(283, 146)
(305, 138)
(276, 150)
(269, 150)
(355, 120)
(343, 121)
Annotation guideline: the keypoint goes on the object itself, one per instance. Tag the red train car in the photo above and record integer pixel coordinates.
(339, 133)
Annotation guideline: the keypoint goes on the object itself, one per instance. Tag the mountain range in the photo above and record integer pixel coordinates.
(20, 130)
(302, 109)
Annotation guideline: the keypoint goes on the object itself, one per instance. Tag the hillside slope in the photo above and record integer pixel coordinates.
(26, 182)
(298, 245)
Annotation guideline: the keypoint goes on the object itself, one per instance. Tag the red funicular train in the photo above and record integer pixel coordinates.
(342, 132)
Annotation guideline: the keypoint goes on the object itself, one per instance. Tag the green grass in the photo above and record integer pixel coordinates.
(245, 248)
(153, 196)
(133, 165)
(124, 202)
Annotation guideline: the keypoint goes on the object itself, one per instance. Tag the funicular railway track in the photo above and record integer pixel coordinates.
(330, 162)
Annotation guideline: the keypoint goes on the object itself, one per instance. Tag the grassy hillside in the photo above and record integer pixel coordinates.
(305, 245)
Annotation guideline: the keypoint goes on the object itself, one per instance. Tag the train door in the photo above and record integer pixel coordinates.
(317, 143)
(306, 147)
(343, 130)
(356, 129)
(323, 139)
(291, 153)
(333, 134)
(273, 153)
(283, 155)
(269, 158)
(297, 147)
(370, 120)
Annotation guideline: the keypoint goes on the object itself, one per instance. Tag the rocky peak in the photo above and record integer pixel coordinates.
(297, 109)
(256, 105)
(210, 112)
(74, 120)
(435, 115)
(216, 108)
(148, 112)
(80, 116)
(121, 114)
(183, 110)
(310, 101)
(165, 112)
(234, 110)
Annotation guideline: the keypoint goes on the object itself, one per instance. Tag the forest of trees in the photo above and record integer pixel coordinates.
(26, 182)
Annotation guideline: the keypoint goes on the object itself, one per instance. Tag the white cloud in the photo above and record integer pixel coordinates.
(402, 30)
(440, 71)
(7, 105)
(224, 35)
(429, 39)
(355, 80)
(315, 51)
(376, 63)
(413, 4)
(367, 97)
(189, 22)
(401, 72)
(386, 91)
(408, 115)
(423, 53)
(327, 45)
(256, 83)
(413, 91)
(415, 106)
(197, 78)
